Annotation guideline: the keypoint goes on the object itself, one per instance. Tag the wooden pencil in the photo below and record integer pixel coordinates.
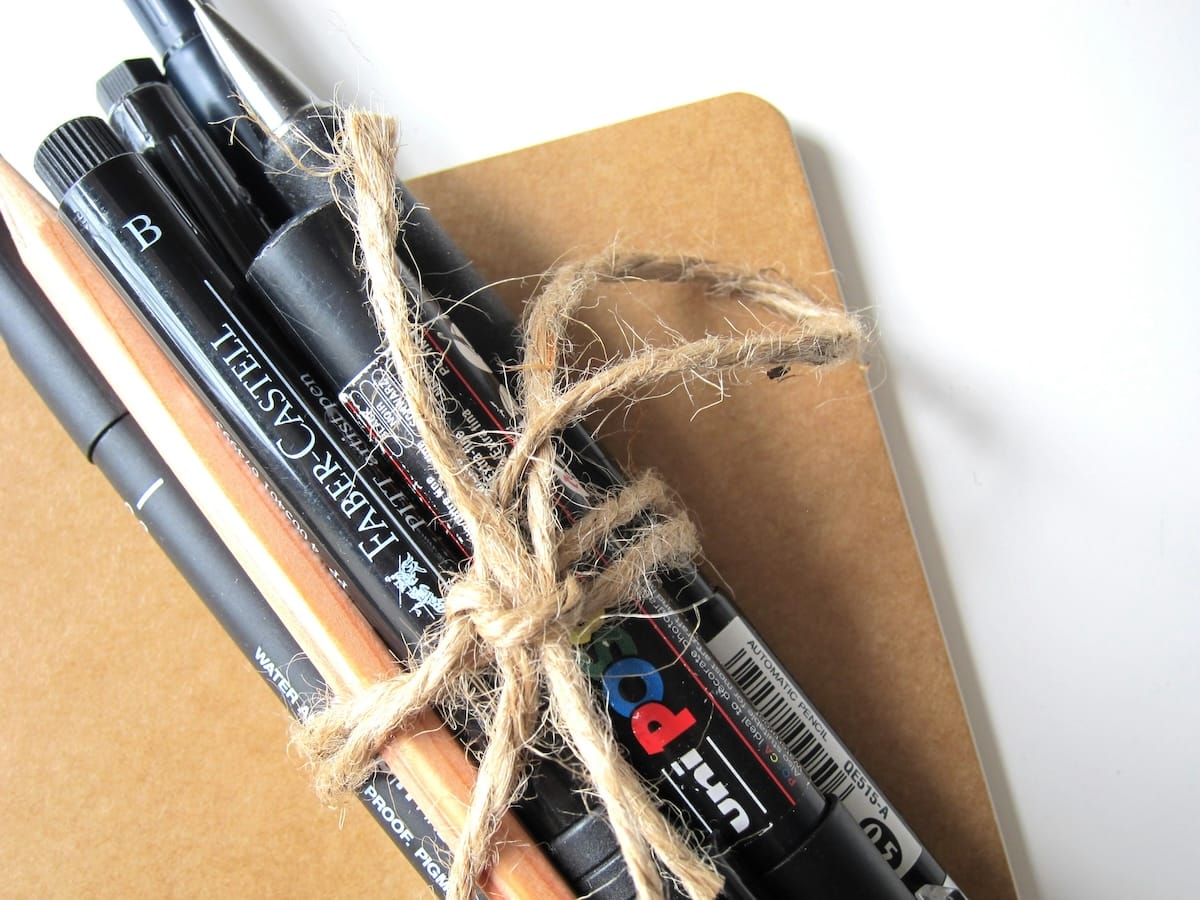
(426, 758)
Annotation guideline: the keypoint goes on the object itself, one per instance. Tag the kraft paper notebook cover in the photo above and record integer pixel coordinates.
(143, 756)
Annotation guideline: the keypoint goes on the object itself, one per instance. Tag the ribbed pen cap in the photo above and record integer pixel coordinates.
(72, 150)
(124, 78)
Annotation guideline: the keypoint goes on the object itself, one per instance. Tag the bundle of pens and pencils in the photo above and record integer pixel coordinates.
(228, 316)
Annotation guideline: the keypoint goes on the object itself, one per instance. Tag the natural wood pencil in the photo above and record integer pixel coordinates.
(426, 758)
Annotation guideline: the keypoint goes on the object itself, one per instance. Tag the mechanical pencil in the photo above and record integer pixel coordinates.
(296, 125)
(379, 545)
(54, 363)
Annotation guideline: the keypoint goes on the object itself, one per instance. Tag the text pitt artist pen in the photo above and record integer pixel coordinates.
(714, 759)
(356, 516)
(296, 125)
(50, 357)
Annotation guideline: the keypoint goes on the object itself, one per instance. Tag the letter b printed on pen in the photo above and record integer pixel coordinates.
(144, 231)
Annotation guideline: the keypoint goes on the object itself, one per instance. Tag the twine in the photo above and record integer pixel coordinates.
(506, 649)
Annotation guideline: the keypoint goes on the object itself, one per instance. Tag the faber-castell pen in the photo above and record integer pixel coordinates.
(380, 546)
(297, 125)
(682, 722)
(54, 363)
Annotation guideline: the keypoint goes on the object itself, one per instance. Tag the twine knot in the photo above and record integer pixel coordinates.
(506, 650)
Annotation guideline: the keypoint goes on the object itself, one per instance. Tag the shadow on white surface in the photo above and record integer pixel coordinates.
(858, 297)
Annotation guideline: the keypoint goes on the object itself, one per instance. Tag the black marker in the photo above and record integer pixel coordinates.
(59, 370)
(354, 514)
(296, 124)
(681, 721)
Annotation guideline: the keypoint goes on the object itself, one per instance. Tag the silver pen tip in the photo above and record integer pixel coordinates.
(267, 90)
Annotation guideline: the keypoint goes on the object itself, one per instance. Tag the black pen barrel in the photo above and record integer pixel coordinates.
(151, 119)
(193, 70)
(48, 355)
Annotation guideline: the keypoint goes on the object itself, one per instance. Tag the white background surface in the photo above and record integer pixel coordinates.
(1012, 192)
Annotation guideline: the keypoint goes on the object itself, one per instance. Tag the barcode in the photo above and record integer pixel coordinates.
(786, 722)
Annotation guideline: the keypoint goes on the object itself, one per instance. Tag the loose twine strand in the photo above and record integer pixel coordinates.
(506, 649)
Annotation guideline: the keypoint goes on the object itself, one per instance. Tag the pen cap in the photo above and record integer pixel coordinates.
(72, 150)
(125, 77)
(150, 118)
(836, 862)
(307, 271)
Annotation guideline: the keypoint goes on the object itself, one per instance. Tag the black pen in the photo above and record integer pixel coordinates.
(355, 515)
(405, 584)
(296, 124)
(54, 363)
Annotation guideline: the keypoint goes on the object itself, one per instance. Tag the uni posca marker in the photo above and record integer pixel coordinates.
(297, 124)
(54, 363)
(356, 516)
(682, 723)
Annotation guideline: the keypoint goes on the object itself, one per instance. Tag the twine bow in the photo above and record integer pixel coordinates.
(505, 647)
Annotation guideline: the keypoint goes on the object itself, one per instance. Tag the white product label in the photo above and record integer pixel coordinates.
(824, 758)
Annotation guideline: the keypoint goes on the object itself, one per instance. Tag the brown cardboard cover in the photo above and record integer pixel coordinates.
(142, 755)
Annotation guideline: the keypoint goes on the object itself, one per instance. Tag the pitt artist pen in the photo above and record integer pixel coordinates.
(379, 546)
(682, 723)
(297, 124)
(54, 363)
